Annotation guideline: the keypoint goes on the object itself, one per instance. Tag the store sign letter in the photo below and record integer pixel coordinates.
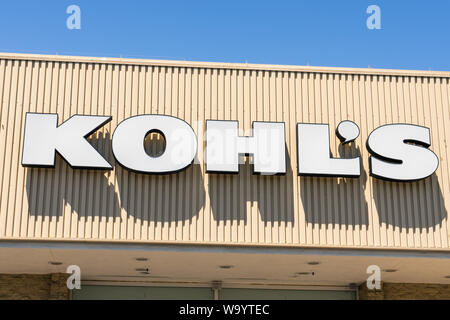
(43, 138)
(313, 154)
(266, 145)
(128, 144)
(399, 152)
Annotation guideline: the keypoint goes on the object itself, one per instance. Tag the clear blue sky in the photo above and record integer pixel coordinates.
(413, 35)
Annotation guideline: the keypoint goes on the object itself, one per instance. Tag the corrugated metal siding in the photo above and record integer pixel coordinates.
(191, 206)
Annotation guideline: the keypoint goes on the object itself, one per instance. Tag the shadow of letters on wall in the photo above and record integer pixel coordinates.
(120, 194)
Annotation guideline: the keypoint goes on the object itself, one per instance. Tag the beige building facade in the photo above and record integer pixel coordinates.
(260, 235)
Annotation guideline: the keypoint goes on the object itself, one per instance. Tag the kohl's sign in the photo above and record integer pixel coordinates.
(399, 152)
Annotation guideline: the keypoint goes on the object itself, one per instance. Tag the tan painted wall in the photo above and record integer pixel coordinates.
(191, 206)
(34, 287)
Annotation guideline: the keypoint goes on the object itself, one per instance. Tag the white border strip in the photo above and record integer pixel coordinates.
(389, 253)
(223, 65)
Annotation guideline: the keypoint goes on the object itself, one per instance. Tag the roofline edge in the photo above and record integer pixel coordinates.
(223, 65)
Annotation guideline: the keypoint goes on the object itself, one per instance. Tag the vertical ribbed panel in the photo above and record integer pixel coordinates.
(191, 206)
